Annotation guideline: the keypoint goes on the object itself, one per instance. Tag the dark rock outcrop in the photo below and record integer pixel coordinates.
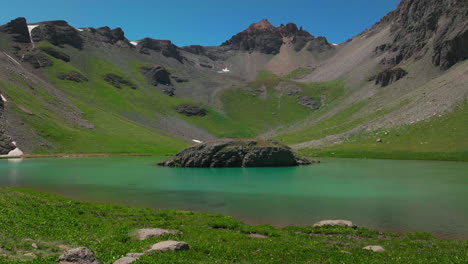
(200, 50)
(157, 75)
(421, 26)
(18, 28)
(195, 49)
(72, 76)
(117, 81)
(178, 79)
(319, 44)
(308, 102)
(449, 51)
(204, 65)
(6, 144)
(38, 60)
(235, 153)
(191, 110)
(58, 33)
(389, 76)
(56, 53)
(160, 77)
(164, 46)
(261, 36)
(111, 36)
(265, 38)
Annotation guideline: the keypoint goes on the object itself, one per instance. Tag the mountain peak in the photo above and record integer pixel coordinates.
(262, 25)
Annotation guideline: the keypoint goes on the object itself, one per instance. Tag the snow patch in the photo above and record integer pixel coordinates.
(334, 44)
(11, 58)
(3, 98)
(30, 28)
(134, 43)
(197, 141)
(14, 153)
(79, 29)
(225, 70)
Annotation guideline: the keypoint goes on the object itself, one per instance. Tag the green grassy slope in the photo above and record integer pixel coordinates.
(112, 133)
(145, 100)
(124, 119)
(49, 221)
(262, 111)
(440, 138)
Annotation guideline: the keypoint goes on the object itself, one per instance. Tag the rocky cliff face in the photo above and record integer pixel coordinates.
(18, 29)
(389, 76)
(58, 33)
(164, 46)
(421, 26)
(5, 141)
(236, 153)
(265, 38)
(111, 36)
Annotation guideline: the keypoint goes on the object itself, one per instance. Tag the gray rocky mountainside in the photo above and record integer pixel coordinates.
(73, 89)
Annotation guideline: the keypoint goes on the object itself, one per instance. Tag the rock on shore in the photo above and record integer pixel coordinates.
(236, 153)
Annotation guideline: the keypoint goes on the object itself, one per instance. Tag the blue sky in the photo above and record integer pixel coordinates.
(201, 22)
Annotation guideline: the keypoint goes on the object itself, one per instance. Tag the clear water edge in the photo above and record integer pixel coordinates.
(387, 195)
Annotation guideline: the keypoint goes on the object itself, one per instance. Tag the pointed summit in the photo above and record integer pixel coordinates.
(262, 25)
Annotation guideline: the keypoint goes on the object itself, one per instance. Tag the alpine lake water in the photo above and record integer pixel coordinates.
(386, 195)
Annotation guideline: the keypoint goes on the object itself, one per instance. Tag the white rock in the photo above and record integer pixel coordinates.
(170, 245)
(30, 255)
(146, 233)
(374, 248)
(130, 258)
(345, 223)
(257, 236)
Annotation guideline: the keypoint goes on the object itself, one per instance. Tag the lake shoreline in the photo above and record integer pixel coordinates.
(57, 223)
(369, 155)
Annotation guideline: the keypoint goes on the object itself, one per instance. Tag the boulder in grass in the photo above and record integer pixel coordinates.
(374, 248)
(170, 245)
(129, 258)
(79, 255)
(145, 233)
(257, 236)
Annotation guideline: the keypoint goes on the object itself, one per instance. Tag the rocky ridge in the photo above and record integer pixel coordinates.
(421, 26)
(58, 33)
(18, 29)
(265, 38)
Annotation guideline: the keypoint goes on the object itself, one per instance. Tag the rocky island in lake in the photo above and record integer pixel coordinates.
(228, 153)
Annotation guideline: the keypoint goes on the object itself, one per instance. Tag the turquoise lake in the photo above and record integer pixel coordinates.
(387, 195)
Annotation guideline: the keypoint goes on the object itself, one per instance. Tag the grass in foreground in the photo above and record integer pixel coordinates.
(50, 221)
